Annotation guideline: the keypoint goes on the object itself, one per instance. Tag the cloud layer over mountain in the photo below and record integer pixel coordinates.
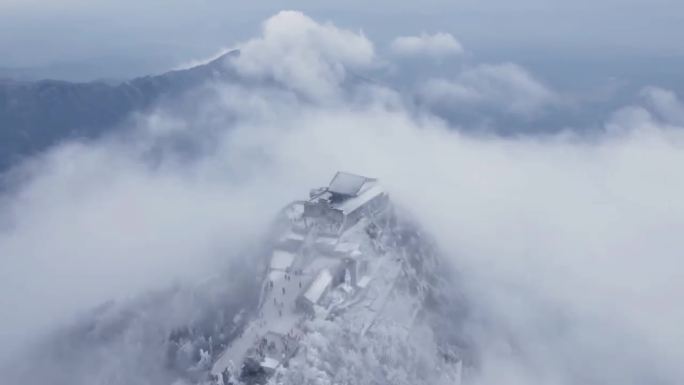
(302, 54)
(504, 87)
(438, 44)
(569, 245)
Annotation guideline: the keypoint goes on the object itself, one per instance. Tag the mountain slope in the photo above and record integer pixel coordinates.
(36, 115)
(391, 314)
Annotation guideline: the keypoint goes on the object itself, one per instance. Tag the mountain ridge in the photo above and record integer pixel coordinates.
(35, 115)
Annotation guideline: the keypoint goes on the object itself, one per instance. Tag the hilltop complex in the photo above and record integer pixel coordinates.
(338, 258)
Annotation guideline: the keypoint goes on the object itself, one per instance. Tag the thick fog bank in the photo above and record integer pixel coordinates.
(569, 245)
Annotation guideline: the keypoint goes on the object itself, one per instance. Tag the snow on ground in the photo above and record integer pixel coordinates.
(277, 314)
(358, 308)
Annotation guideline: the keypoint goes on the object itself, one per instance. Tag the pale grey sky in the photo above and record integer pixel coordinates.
(108, 38)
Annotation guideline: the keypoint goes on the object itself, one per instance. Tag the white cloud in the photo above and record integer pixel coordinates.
(507, 87)
(303, 54)
(660, 108)
(569, 249)
(98, 222)
(665, 103)
(436, 45)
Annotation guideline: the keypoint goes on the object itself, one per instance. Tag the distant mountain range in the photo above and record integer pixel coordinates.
(35, 115)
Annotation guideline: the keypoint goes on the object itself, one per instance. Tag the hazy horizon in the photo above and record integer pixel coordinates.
(76, 40)
(538, 153)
